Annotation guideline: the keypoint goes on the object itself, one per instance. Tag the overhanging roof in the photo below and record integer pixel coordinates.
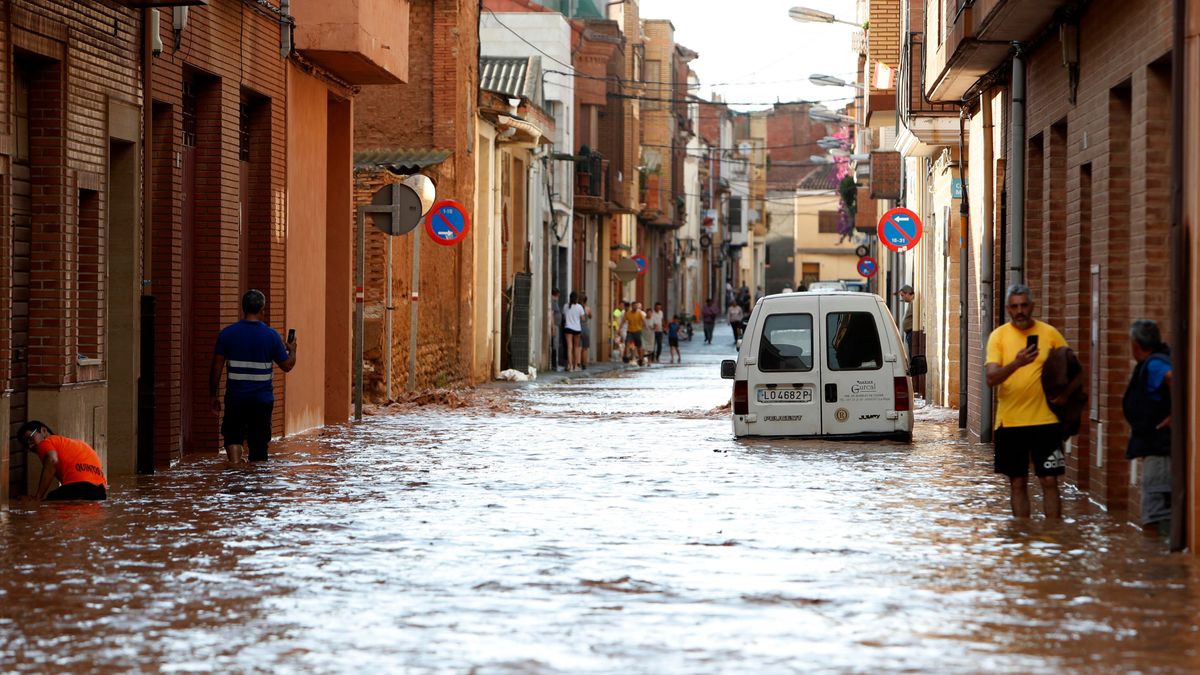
(513, 76)
(401, 161)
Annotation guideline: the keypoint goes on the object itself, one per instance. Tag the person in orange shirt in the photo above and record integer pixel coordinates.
(74, 463)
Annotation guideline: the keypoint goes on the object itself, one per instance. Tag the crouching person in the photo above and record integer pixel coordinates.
(72, 462)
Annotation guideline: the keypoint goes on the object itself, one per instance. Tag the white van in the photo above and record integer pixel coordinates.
(822, 364)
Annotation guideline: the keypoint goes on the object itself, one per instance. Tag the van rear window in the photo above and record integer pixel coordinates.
(786, 344)
(853, 341)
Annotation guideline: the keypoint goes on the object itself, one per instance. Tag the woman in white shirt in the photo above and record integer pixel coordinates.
(573, 315)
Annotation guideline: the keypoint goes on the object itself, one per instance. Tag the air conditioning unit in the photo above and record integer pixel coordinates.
(887, 138)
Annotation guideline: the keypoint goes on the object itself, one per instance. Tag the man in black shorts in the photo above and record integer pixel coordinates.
(248, 349)
(1026, 428)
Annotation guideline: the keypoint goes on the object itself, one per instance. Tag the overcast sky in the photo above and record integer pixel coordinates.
(751, 52)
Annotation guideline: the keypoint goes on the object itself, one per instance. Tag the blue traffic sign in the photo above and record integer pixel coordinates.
(447, 222)
(899, 229)
(867, 266)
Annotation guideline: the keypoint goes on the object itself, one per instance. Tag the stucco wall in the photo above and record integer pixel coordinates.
(306, 249)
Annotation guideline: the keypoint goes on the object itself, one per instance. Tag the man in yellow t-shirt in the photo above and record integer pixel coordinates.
(633, 321)
(1026, 428)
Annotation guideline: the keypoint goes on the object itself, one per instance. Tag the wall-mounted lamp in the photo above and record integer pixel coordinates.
(179, 23)
(156, 45)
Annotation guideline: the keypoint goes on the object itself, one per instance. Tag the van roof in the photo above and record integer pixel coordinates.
(808, 296)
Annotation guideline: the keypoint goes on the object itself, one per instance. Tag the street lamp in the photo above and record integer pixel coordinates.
(831, 142)
(831, 81)
(806, 15)
(829, 117)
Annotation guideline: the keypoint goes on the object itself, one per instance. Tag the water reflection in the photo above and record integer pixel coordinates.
(611, 524)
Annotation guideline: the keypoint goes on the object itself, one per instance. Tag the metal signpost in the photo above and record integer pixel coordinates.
(394, 210)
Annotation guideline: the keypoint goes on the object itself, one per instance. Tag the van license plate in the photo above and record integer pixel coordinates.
(782, 395)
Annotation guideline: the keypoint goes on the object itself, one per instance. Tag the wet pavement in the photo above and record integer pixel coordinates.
(603, 523)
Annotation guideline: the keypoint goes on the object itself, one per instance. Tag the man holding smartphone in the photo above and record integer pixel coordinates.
(1026, 428)
(248, 349)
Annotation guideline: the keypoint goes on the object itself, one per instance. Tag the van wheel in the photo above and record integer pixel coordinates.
(904, 437)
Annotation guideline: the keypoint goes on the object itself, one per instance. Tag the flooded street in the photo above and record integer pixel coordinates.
(606, 524)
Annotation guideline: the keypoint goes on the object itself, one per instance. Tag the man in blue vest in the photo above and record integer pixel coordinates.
(1147, 408)
(248, 349)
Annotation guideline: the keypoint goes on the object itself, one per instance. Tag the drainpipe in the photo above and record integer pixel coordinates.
(986, 267)
(964, 230)
(1180, 302)
(1016, 204)
(285, 29)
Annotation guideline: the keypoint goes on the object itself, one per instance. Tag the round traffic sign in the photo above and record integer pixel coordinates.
(447, 222)
(899, 229)
(867, 266)
(705, 241)
(862, 251)
(641, 263)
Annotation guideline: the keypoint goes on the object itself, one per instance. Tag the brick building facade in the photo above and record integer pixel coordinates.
(433, 111)
(1097, 212)
(68, 167)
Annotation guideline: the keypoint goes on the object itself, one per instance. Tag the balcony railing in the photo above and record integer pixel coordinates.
(591, 183)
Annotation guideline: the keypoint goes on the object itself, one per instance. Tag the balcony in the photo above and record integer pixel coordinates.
(362, 42)
(924, 123)
(591, 184)
(977, 36)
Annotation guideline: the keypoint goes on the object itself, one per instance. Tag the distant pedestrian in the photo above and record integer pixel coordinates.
(655, 325)
(734, 316)
(673, 330)
(573, 327)
(708, 314)
(730, 294)
(585, 332)
(632, 325)
(73, 463)
(556, 334)
(743, 296)
(618, 339)
(1147, 408)
(1026, 428)
(907, 296)
(248, 349)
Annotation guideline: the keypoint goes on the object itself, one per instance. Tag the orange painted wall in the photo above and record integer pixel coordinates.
(306, 248)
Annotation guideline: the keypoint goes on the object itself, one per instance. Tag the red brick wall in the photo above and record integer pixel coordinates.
(233, 49)
(791, 138)
(1103, 201)
(79, 56)
(435, 109)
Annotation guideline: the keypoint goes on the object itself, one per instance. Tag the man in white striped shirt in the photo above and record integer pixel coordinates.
(248, 349)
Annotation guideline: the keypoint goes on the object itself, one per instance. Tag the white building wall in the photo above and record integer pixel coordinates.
(551, 183)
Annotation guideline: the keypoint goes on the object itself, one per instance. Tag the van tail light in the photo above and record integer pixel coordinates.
(741, 397)
(902, 401)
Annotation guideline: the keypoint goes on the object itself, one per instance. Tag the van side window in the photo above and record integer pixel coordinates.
(853, 342)
(787, 343)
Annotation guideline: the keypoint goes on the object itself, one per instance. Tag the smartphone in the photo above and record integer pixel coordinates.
(292, 335)
(1031, 341)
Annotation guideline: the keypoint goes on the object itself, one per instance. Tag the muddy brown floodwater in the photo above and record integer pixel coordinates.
(608, 524)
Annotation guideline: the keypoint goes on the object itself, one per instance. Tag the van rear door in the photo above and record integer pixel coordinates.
(785, 380)
(856, 392)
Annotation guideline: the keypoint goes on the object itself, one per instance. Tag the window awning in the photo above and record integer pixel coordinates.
(401, 161)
